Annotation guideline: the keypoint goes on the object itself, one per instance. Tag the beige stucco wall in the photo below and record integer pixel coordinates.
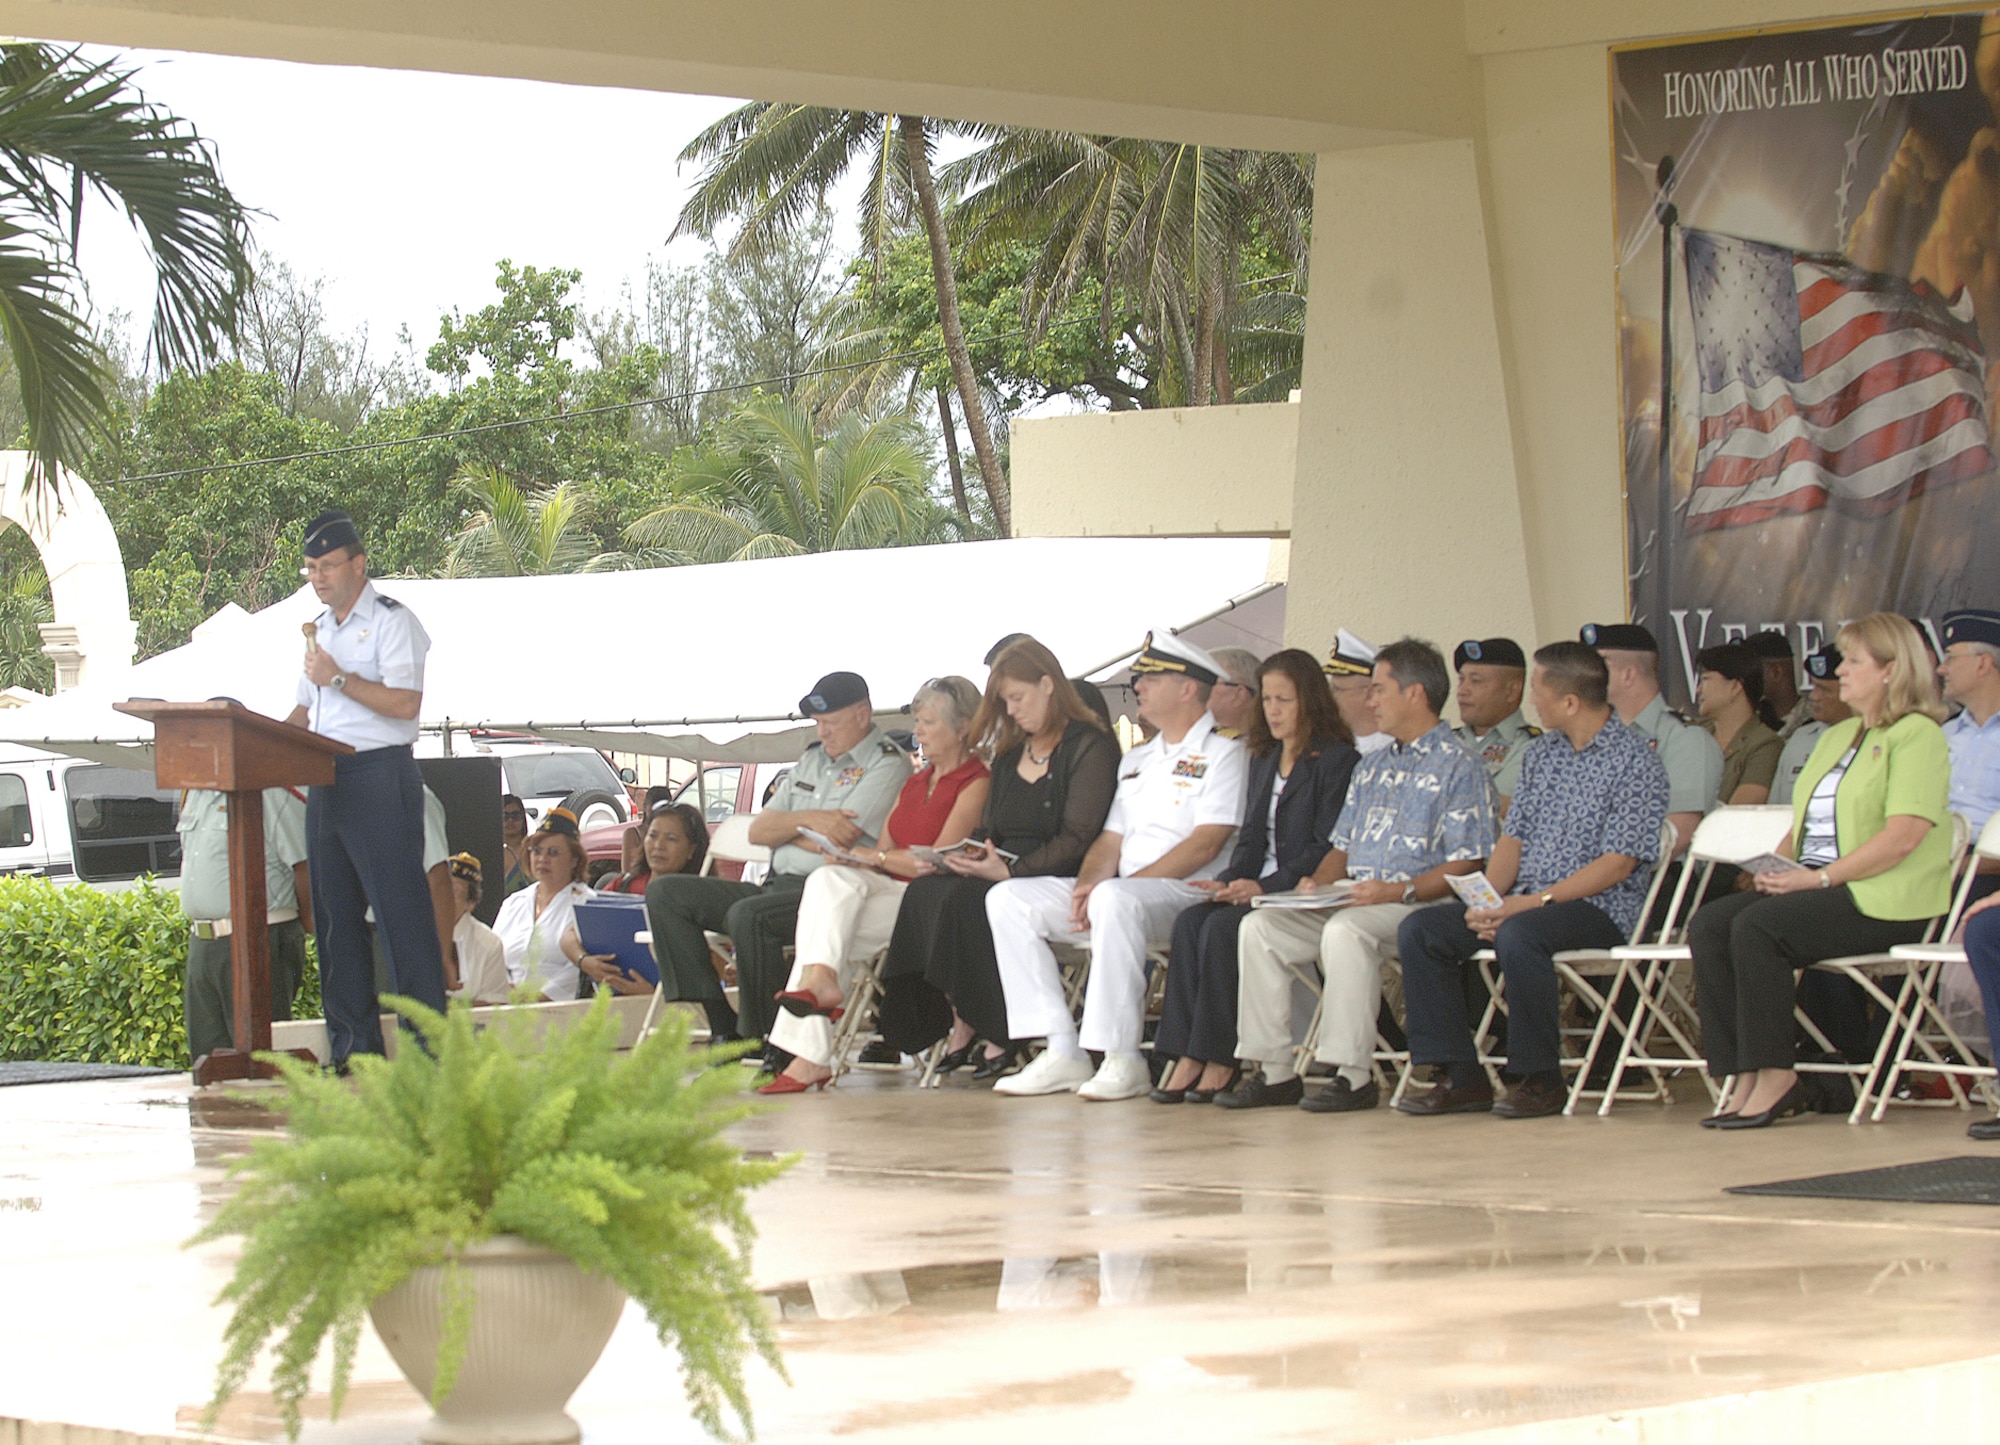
(1181, 471)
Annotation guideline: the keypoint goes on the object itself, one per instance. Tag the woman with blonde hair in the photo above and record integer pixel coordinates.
(1055, 769)
(847, 912)
(1872, 842)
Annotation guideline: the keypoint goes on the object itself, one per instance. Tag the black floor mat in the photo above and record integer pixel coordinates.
(36, 1073)
(1962, 1179)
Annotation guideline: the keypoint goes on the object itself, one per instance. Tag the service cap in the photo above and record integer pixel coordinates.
(1771, 646)
(329, 530)
(833, 692)
(1618, 636)
(464, 865)
(1493, 651)
(1824, 663)
(559, 820)
(1351, 656)
(1972, 624)
(1165, 652)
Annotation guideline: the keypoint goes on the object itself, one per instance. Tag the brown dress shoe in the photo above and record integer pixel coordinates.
(1447, 1098)
(1533, 1099)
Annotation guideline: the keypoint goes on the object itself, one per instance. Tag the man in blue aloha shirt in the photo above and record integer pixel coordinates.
(1573, 864)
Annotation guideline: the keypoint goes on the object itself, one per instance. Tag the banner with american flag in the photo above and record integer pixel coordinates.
(1823, 383)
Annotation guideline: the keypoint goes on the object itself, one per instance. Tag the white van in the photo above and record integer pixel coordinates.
(544, 775)
(74, 821)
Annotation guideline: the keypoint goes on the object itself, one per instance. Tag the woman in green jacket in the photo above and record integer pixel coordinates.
(1869, 828)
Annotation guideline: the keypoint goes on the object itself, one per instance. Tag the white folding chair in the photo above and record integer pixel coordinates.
(1571, 965)
(1659, 1036)
(1870, 972)
(1926, 1026)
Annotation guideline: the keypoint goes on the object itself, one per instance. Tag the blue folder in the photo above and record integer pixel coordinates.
(608, 923)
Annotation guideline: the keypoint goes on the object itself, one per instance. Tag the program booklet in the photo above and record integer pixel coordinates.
(1333, 895)
(834, 851)
(1474, 890)
(936, 856)
(1770, 863)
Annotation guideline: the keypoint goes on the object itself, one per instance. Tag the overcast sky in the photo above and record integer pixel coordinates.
(402, 189)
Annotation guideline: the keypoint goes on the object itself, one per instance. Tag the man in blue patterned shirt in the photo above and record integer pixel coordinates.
(1416, 810)
(1574, 862)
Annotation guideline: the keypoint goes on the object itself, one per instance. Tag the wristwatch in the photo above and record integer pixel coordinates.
(339, 682)
(1548, 897)
(1410, 891)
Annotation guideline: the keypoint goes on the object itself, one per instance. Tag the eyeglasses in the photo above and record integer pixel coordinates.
(548, 850)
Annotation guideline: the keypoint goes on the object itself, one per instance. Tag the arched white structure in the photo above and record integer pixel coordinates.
(93, 636)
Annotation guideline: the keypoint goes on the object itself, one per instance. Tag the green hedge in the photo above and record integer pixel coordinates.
(94, 977)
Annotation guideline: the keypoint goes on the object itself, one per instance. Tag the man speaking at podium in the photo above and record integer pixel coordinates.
(363, 685)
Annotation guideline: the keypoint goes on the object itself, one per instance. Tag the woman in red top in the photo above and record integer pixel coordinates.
(847, 913)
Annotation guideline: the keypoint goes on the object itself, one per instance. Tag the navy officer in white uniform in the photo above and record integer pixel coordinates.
(1179, 799)
(363, 685)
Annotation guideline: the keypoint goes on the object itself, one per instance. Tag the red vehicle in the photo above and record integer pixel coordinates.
(731, 788)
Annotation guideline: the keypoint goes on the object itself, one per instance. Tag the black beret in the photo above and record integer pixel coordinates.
(1493, 651)
(1824, 663)
(329, 530)
(833, 692)
(1618, 636)
(1972, 624)
(1771, 646)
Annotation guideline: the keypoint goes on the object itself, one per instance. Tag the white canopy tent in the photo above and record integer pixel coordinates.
(709, 663)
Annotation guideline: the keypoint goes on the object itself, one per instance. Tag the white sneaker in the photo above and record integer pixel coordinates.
(1122, 1077)
(1050, 1073)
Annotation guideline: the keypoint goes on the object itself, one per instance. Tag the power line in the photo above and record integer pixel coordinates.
(563, 417)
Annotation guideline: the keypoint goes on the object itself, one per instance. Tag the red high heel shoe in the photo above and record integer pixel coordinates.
(803, 1003)
(786, 1084)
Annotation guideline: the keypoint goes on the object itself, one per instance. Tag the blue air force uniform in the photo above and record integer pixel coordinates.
(365, 832)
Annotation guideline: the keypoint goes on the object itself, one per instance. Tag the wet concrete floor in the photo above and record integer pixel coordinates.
(948, 1260)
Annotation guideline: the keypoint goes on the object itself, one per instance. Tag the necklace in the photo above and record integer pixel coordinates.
(1028, 748)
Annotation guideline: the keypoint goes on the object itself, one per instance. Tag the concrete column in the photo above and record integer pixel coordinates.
(1406, 516)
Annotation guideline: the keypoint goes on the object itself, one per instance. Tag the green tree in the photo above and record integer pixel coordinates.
(68, 127)
(771, 164)
(24, 607)
(514, 534)
(1164, 228)
(771, 486)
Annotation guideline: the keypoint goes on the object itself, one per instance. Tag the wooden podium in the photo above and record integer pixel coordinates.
(227, 747)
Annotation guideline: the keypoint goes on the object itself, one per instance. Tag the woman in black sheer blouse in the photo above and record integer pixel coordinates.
(1054, 772)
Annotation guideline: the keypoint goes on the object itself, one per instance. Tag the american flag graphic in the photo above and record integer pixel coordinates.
(1821, 382)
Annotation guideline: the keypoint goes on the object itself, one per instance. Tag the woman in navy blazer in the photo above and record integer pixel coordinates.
(1301, 757)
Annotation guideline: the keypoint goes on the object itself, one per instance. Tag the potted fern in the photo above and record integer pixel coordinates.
(492, 1204)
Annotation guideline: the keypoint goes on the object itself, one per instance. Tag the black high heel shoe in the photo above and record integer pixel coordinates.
(992, 1066)
(1794, 1102)
(1207, 1096)
(1714, 1121)
(957, 1058)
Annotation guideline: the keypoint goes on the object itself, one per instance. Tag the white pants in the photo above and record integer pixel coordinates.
(1352, 944)
(1127, 916)
(845, 915)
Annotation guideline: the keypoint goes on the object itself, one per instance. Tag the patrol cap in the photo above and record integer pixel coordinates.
(1972, 624)
(833, 692)
(1351, 657)
(1618, 636)
(1165, 652)
(329, 530)
(559, 820)
(1824, 663)
(464, 865)
(1493, 651)
(1771, 646)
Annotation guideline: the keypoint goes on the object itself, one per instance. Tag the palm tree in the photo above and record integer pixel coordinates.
(769, 164)
(67, 125)
(24, 607)
(514, 534)
(1166, 225)
(771, 486)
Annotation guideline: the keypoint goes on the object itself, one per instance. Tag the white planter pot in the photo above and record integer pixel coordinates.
(538, 1326)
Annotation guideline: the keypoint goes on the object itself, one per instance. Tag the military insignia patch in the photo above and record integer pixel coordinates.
(1191, 768)
(1494, 753)
(849, 777)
